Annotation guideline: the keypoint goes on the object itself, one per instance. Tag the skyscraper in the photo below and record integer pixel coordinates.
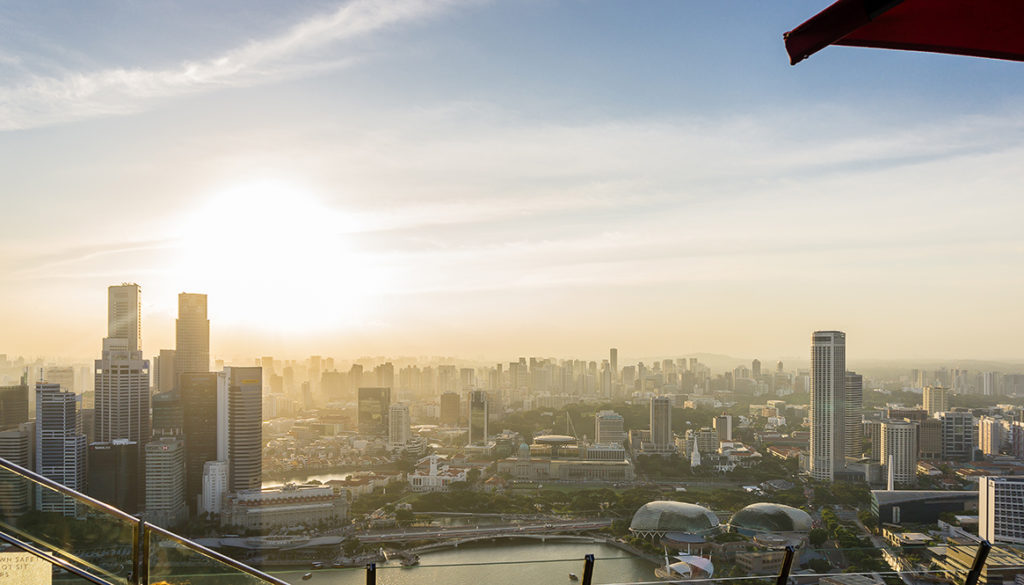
(899, 450)
(245, 426)
(14, 404)
(723, 426)
(14, 490)
(957, 435)
(478, 417)
(165, 481)
(122, 393)
(124, 314)
(990, 435)
(398, 426)
(114, 475)
(60, 447)
(828, 413)
(373, 411)
(853, 438)
(935, 399)
(164, 377)
(661, 423)
(450, 409)
(192, 335)
(1000, 515)
(199, 407)
(613, 361)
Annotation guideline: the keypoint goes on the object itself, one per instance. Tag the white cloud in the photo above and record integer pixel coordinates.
(43, 100)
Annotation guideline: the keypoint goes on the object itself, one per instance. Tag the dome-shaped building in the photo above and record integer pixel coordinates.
(665, 517)
(763, 518)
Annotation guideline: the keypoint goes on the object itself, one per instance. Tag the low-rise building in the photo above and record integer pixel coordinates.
(284, 506)
(434, 475)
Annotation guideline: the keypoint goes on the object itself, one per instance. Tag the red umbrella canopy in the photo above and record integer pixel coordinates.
(979, 28)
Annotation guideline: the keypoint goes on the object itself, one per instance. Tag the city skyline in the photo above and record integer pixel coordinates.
(660, 178)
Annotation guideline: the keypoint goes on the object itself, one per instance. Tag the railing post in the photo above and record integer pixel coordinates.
(144, 561)
(787, 564)
(137, 538)
(371, 574)
(588, 569)
(979, 563)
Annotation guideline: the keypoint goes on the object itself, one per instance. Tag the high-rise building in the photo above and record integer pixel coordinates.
(244, 426)
(168, 416)
(1017, 439)
(114, 476)
(990, 435)
(192, 335)
(165, 481)
(478, 417)
(60, 447)
(124, 314)
(723, 426)
(935, 399)
(957, 435)
(899, 449)
(373, 411)
(661, 423)
(63, 375)
(122, 393)
(828, 413)
(199, 407)
(609, 428)
(398, 426)
(450, 402)
(165, 378)
(853, 397)
(1000, 515)
(215, 485)
(929, 439)
(755, 369)
(14, 492)
(14, 404)
(613, 361)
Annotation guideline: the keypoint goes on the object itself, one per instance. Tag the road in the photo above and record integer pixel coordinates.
(435, 532)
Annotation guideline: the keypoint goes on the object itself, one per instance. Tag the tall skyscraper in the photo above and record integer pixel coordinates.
(14, 404)
(957, 435)
(244, 426)
(14, 490)
(373, 411)
(192, 335)
(935, 399)
(478, 417)
(661, 423)
(398, 426)
(122, 393)
(165, 481)
(60, 447)
(828, 413)
(853, 405)
(164, 377)
(990, 435)
(613, 361)
(899, 449)
(199, 407)
(124, 314)
(609, 428)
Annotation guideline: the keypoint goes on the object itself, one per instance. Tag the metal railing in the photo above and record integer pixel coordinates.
(142, 533)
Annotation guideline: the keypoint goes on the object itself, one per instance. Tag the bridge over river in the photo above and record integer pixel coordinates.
(468, 533)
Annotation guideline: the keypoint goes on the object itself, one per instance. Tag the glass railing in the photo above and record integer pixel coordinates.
(97, 542)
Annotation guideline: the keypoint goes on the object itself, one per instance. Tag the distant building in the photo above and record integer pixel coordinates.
(434, 475)
(723, 426)
(990, 435)
(957, 435)
(290, 505)
(165, 481)
(1000, 512)
(124, 314)
(14, 404)
(919, 506)
(828, 412)
(478, 417)
(200, 421)
(661, 424)
(191, 335)
(853, 432)
(114, 476)
(215, 486)
(122, 393)
(608, 428)
(450, 406)
(398, 426)
(244, 388)
(60, 447)
(899, 449)
(373, 411)
(14, 490)
(935, 399)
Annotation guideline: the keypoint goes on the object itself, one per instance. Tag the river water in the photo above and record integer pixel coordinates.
(506, 563)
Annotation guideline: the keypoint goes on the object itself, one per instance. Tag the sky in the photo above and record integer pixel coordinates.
(502, 178)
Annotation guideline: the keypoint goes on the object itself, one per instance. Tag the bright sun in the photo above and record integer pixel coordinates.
(269, 253)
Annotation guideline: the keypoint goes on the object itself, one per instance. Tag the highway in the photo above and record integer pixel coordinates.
(443, 533)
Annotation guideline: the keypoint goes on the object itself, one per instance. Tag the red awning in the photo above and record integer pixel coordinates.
(980, 28)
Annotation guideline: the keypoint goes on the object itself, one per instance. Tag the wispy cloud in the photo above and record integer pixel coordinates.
(46, 100)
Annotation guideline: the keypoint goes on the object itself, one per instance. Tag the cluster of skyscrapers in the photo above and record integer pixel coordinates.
(167, 456)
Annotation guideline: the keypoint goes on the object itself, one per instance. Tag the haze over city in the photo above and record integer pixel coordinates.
(489, 179)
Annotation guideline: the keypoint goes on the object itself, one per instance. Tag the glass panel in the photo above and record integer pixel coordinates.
(172, 563)
(82, 533)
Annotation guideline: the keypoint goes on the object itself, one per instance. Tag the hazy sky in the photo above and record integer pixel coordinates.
(525, 177)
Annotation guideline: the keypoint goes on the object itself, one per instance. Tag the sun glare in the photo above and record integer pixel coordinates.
(279, 254)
